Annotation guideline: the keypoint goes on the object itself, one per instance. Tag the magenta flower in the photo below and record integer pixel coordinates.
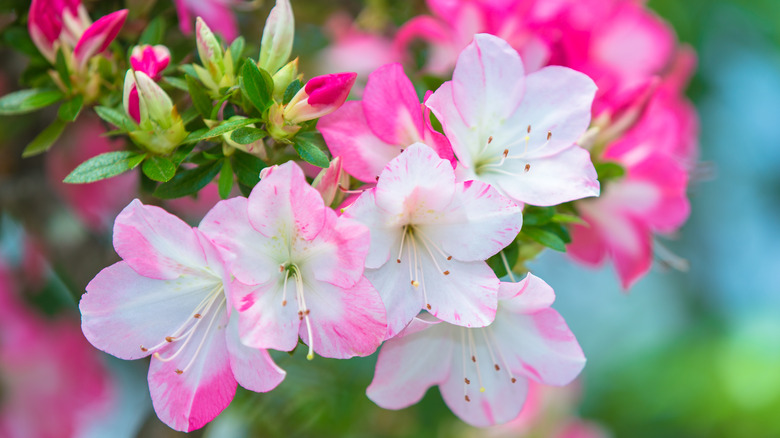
(368, 134)
(320, 96)
(303, 266)
(218, 12)
(430, 237)
(168, 298)
(151, 60)
(482, 373)
(515, 132)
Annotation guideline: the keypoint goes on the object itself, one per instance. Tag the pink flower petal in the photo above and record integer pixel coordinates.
(253, 368)
(384, 236)
(98, 36)
(264, 321)
(341, 252)
(391, 106)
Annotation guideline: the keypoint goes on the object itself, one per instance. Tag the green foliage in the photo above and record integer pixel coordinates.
(200, 100)
(159, 168)
(257, 86)
(25, 101)
(307, 145)
(247, 135)
(225, 182)
(188, 181)
(45, 140)
(609, 170)
(154, 32)
(70, 109)
(62, 69)
(291, 91)
(247, 168)
(218, 130)
(104, 166)
(115, 117)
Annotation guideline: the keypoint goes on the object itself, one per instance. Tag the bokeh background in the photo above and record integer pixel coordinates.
(684, 354)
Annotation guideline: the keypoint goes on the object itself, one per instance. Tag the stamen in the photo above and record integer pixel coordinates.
(490, 350)
(430, 253)
(205, 336)
(506, 266)
(197, 315)
(284, 289)
(355, 192)
(463, 356)
(144, 349)
(529, 129)
(490, 139)
(473, 349)
(527, 167)
(500, 354)
(303, 312)
(403, 237)
(549, 135)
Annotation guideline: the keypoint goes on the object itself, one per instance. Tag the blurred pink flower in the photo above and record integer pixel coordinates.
(217, 12)
(95, 204)
(151, 60)
(53, 383)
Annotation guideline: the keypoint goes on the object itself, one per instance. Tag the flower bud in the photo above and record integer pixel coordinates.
(284, 77)
(97, 37)
(322, 95)
(278, 33)
(161, 128)
(151, 60)
(54, 22)
(328, 181)
(217, 69)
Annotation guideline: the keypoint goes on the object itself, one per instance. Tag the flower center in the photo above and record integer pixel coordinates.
(492, 163)
(211, 307)
(416, 238)
(469, 340)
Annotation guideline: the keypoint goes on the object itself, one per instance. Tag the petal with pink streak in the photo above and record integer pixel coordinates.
(465, 142)
(549, 180)
(127, 315)
(339, 251)
(391, 106)
(501, 401)
(268, 318)
(283, 205)
(385, 235)
(247, 251)
(347, 134)
(402, 302)
(156, 243)
(416, 181)
(344, 322)
(529, 295)
(488, 82)
(253, 368)
(188, 400)
(98, 36)
(410, 364)
(632, 250)
(477, 224)
(586, 245)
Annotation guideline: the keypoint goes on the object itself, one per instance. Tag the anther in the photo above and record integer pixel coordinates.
(449, 257)
(527, 167)
(197, 316)
(474, 359)
(498, 368)
(144, 349)
(490, 139)
(307, 312)
(415, 283)
(514, 380)
(169, 338)
(398, 260)
(377, 177)
(446, 272)
(506, 152)
(468, 382)
(281, 268)
(549, 135)
(284, 303)
(468, 399)
(179, 372)
(529, 129)
(428, 306)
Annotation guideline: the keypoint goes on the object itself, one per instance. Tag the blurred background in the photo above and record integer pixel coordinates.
(684, 354)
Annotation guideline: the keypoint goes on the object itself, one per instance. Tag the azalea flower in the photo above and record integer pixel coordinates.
(301, 267)
(168, 299)
(483, 373)
(516, 132)
(367, 134)
(430, 236)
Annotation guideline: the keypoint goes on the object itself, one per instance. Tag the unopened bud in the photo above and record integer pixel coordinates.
(278, 33)
(322, 95)
(98, 36)
(151, 60)
(284, 77)
(328, 181)
(161, 128)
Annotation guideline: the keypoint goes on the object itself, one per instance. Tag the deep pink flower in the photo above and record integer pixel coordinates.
(516, 132)
(151, 60)
(320, 96)
(367, 134)
(217, 12)
(430, 237)
(168, 298)
(482, 373)
(301, 266)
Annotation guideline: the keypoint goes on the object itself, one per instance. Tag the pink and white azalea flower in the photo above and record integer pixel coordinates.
(151, 60)
(168, 298)
(301, 266)
(367, 134)
(516, 132)
(482, 373)
(430, 237)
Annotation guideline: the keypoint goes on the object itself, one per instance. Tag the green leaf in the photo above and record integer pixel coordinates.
(257, 85)
(19, 39)
(104, 166)
(200, 100)
(224, 128)
(159, 169)
(307, 149)
(225, 183)
(546, 238)
(247, 168)
(291, 91)
(189, 69)
(179, 83)
(62, 69)
(43, 141)
(181, 153)
(115, 117)
(188, 182)
(154, 32)
(568, 219)
(236, 49)
(535, 216)
(497, 264)
(25, 101)
(609, 170)
(247, 135)
(70, 109)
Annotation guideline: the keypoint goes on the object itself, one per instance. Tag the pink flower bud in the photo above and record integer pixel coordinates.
(278, 33)
(151, 60)
(53, 20)
(98, 36)
(329, 180)
(321, 95)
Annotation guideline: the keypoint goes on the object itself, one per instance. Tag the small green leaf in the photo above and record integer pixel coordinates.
(159, 169)
(200, 100)
(154, 32)
(25, 101)
(567, 219)
(225, 183)
(257, 85)
(188, 181)
(291, 91)
(19, 39)
(115, 117)
(43, 141)
(181, 153)
(247, 168)
(179, 83)
(224, 128)
(62, 69)
(546, 238)
(236, 50)
(535, 216)
(104, 166)
(70, 109)
(609, 170)
(247, 135)
(309, 152)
